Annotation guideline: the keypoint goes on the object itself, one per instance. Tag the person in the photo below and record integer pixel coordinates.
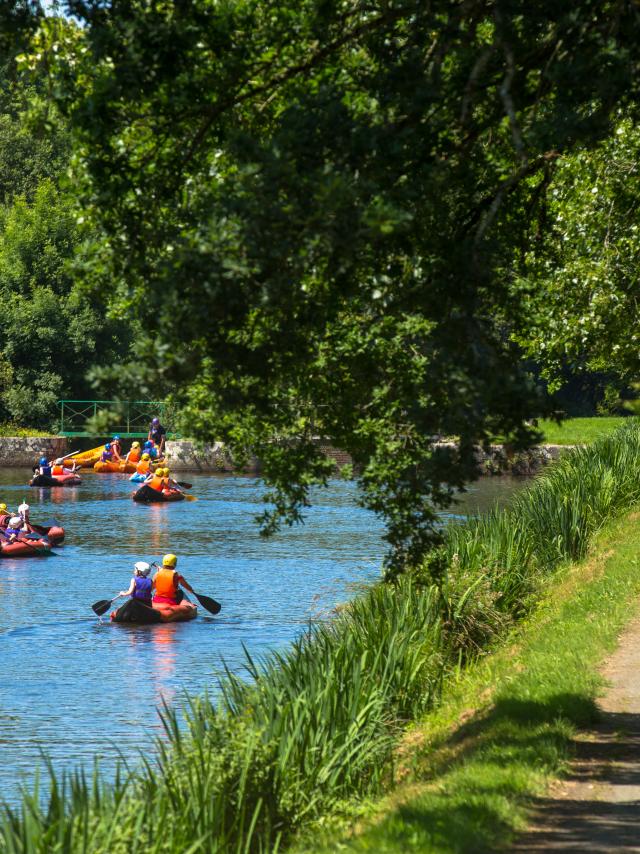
(155, 480)
(167, 582)
(116, 448)
(107, 454)
(141, 585)
(60, 467)
(151, 449)
(43, 467)
(157, 434)
(23, 513)
(5, 515)
(144, 466)
(170, 483)
(13, 529)
(134, 454)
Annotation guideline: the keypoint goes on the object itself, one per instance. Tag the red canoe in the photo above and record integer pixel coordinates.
(138, 613)
(25, 548)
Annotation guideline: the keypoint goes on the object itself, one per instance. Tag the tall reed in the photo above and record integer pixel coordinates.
(316, 724)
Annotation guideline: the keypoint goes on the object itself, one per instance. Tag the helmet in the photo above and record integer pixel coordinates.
(146, 457)
(116, 439)
(141, 568)
(24, 507)
(148, 444)
(43, 461)
(3, 506)
(167, 472)
(155, 420)
(169, 561)
(59, 461)
(135, 444)
(15, 522)
(107, 447)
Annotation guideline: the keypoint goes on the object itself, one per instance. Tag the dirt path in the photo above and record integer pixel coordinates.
(597, 808)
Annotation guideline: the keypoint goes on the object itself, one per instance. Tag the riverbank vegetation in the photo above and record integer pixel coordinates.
(318, 724)
(578, 431)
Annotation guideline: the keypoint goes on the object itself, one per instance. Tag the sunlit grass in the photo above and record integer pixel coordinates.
(578, 431)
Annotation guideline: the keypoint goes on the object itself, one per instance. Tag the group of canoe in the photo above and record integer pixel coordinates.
(19, 537)
(144, 464)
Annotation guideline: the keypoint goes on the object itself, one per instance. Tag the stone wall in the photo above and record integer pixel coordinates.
(183, 455)
(16, 451)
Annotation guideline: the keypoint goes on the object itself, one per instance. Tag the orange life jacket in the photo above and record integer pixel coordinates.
(134, 456)
(166, 583)
(157, 483)
(57, 470)
(143, 467)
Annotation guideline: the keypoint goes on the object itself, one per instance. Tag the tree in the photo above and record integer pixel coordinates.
(315, 209)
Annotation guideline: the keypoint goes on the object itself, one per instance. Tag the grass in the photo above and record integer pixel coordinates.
(318, 724)
(578, 431)
(472, 783)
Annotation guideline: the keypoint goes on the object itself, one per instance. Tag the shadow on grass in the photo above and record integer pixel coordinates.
(477, 803)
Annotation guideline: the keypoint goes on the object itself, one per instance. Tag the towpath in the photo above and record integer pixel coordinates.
(596, 809)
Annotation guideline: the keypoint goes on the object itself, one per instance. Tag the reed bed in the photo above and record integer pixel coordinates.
(317, 724)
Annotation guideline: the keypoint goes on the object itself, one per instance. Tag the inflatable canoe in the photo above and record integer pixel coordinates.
(57, 480)
(136, 612)
(87, 459)
(54, 533)
(113, 467)
(138, 478)
(146, 495)
(25, 548)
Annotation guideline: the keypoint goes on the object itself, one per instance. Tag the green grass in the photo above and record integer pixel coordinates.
(472, 784)
(317, 725)
(578, 431)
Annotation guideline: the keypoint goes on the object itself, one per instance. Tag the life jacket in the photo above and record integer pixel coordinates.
(57, 469)
(143, 467)
(45, 470)
(166, 583)
(134, 456)
(142, 589)
(156, 483)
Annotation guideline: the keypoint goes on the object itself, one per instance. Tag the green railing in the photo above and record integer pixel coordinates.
(128, 418)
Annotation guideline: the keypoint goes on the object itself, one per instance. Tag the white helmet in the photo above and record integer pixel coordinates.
(59, 461)
(141, 568)
(15, 522)
(24, 508)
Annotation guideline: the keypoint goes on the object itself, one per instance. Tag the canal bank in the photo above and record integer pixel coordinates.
(184, 455)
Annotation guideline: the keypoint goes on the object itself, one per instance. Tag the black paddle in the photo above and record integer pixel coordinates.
(183, 484)
(102, 605)
(207, 602)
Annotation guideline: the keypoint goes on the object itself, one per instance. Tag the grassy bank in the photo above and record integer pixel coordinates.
(505, 727)
(319, 724)
(579, 431)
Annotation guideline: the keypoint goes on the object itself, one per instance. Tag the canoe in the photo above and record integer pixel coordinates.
(138, 478)
(114, 467)
(135, 612)
(146, 495)
(25, 548)
(87, 459)
(54, 533)
(57, 480)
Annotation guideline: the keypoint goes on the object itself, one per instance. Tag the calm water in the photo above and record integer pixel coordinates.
(75, 686)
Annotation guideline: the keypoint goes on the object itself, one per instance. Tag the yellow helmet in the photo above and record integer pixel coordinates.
(135, 444)
(169, 561)
(3, 507)
(166, 471)
(146, 457)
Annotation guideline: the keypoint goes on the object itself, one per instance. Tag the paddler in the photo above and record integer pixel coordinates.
(13, 529)
(141, 585)
(167, 582)
(144, 466)
(43, 467)
(4, 515)
(170, 483)
(107, 454)
(134, 454)
(116, 448)
(156, 480)
(23, 513)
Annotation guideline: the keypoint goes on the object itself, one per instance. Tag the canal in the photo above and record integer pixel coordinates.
(75, 686)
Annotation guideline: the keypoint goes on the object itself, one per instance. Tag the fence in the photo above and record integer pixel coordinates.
(128, 418)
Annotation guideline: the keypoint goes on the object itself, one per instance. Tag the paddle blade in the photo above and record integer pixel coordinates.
(190, 498)
(208, 603)
(101, 607)
(183, 484)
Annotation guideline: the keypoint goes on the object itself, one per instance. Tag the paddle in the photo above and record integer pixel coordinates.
(102, 605)
(207, 602)
(184, 485)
